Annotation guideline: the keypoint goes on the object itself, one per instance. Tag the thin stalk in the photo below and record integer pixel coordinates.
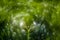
(28, 34)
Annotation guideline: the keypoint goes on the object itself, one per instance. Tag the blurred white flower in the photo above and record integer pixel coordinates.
(21, 23)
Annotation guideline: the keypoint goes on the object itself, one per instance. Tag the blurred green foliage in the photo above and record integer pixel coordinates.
(29, 19)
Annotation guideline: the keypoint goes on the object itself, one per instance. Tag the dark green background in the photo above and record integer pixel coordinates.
(29, 20)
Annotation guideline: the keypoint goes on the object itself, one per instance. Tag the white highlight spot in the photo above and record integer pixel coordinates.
(21, 23)
(34, 23)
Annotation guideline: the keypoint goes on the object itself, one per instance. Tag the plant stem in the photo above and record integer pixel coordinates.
(28, 34)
